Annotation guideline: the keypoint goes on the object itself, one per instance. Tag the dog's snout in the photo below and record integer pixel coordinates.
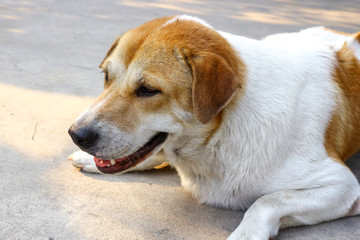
(84, 137)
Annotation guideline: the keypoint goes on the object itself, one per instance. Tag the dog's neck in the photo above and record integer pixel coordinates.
(259, 124)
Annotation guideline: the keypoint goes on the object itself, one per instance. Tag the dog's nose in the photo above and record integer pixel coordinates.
(84, 137)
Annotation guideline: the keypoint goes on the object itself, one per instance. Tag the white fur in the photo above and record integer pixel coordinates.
(268, 155)
(84, 161)
(315, 36)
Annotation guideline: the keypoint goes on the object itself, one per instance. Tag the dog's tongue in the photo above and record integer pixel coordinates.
(101, 162)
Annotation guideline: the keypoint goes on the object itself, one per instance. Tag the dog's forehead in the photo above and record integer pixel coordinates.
(148, 37)
(126, 45)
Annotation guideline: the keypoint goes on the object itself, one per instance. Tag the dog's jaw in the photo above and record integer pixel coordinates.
(119, 165)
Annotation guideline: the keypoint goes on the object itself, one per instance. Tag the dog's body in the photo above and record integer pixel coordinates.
(257, 125)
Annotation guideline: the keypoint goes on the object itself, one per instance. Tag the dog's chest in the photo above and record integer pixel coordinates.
(230, 191)
(230, 184)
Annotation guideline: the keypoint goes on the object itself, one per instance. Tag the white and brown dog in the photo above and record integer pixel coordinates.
(257, 125)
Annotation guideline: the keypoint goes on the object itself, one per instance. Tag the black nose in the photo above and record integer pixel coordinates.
(84, 137)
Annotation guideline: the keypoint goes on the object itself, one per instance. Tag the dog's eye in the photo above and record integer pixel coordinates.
(106, 77)
(146, 91)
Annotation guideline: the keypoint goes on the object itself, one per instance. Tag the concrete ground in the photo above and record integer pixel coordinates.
(49, 53)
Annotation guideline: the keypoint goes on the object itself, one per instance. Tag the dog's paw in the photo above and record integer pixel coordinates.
(83, 161)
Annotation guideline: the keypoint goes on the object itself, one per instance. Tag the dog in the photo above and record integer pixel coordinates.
(258, 125)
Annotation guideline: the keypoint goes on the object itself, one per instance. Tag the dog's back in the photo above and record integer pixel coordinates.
(339, 139)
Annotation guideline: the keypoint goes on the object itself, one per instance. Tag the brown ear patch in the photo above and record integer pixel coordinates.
(214, 84)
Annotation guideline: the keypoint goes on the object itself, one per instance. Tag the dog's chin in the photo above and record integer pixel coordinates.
(119, 165)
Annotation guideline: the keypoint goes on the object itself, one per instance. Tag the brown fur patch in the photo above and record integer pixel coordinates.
(342, 137)
(137, 36)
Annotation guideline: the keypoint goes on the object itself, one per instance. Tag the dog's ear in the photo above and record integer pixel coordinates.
(214, 84)
(111, 50)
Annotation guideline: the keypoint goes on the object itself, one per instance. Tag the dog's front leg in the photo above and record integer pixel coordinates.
(299, 207)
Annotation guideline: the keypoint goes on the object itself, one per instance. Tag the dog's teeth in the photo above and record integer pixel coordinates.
(101, 161)
(112, 162)
(108, 165)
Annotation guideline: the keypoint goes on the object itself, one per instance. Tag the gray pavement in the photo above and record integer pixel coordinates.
(49, 53)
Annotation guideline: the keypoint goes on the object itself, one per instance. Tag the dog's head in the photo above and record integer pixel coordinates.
(160, 78)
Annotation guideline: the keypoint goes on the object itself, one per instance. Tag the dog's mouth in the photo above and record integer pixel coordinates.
(122, 164)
